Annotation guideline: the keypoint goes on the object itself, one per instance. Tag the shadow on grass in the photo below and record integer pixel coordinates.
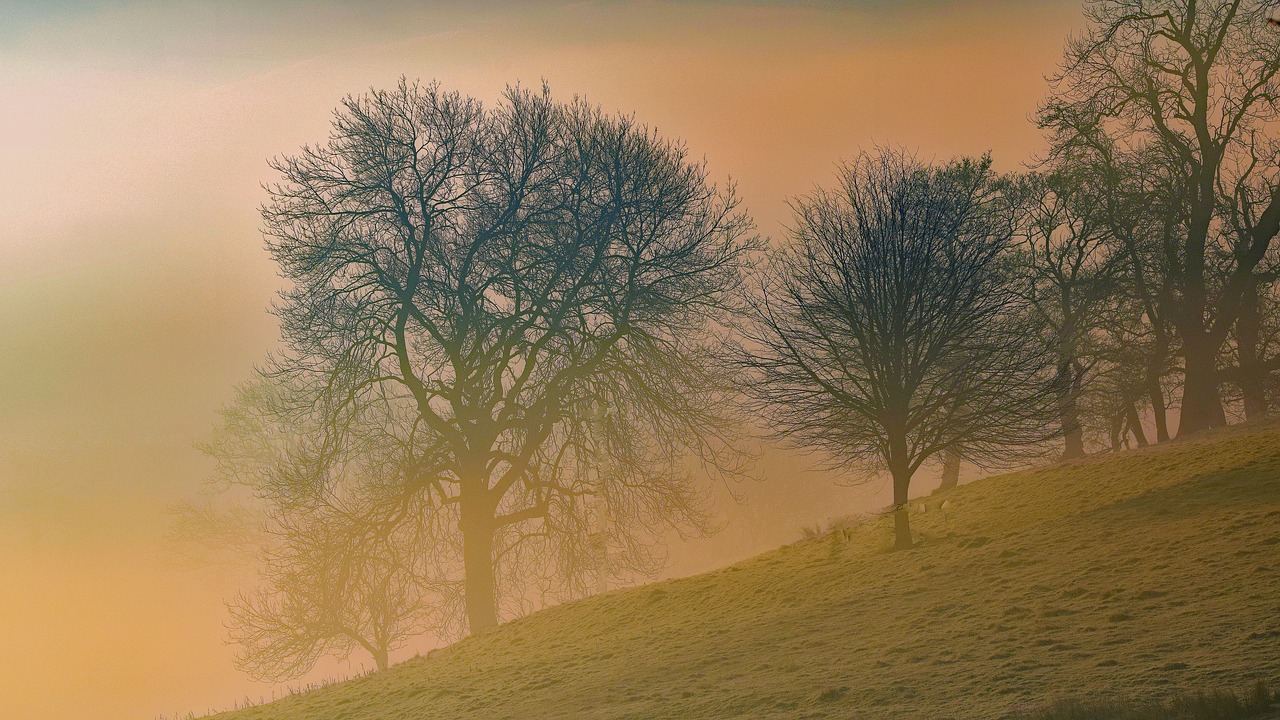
(1249, 485)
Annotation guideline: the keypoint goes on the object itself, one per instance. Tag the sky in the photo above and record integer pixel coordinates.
(134, 139)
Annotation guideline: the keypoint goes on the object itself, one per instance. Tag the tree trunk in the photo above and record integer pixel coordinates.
(1117, 428)
(1155, 394)
(1072, 433)
(1201, 404)
(901, 521)
(380, 658)
(950, 470)
(477, 559)
(1253, 380)
(1135, 424)
(1157, 365)
(600, 543)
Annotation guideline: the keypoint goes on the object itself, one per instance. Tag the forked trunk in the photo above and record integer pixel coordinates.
(1074, 444)
(1156, 366)
(377, 650)
(1253, 389)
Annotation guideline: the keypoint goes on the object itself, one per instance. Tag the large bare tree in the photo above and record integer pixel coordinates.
(1192, 83)
(889, 330)
(492, 274)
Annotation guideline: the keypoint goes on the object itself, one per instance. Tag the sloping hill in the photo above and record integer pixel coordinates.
(1141, 573)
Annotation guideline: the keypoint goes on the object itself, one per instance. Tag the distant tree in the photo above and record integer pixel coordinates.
(328, 591)
(951, 460)
(890, 329)
(1116, 398)
(1132, 191)
(1070, 265)
(491, 274)
(1142, 337)
(340, 569)
(1250, 360)
(1190, 85)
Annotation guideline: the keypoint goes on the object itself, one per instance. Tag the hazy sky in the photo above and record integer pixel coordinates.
(133, 286)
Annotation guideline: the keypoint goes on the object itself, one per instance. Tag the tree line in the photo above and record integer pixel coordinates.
(516, 337)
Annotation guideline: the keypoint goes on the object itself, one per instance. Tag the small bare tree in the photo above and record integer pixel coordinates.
(328, 591)
(890, 330)
(340, 568)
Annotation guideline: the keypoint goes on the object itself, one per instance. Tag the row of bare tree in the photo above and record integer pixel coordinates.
(516, 337)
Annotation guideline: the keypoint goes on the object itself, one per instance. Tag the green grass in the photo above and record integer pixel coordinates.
(1144, 576)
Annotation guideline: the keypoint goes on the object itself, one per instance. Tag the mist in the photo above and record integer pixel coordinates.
(134, 285)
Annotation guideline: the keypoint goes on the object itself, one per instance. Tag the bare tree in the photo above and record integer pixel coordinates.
(1117, 396)
(1142, 218)
(1070, 266)
(1193, 83)
(490, 274)
(1253, 350)
(340, 568)
(890, 330)
(1251, 359)
(328, 591)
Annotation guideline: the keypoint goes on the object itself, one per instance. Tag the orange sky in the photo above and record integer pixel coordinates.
(133, 285)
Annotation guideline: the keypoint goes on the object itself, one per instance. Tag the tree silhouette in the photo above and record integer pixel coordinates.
(490, 275)
(347, 562)
(1190, 86)
(890, 330)
(329, 590)
(1070, 265)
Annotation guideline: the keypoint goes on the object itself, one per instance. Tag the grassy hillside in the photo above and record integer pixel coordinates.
(1141, 573)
